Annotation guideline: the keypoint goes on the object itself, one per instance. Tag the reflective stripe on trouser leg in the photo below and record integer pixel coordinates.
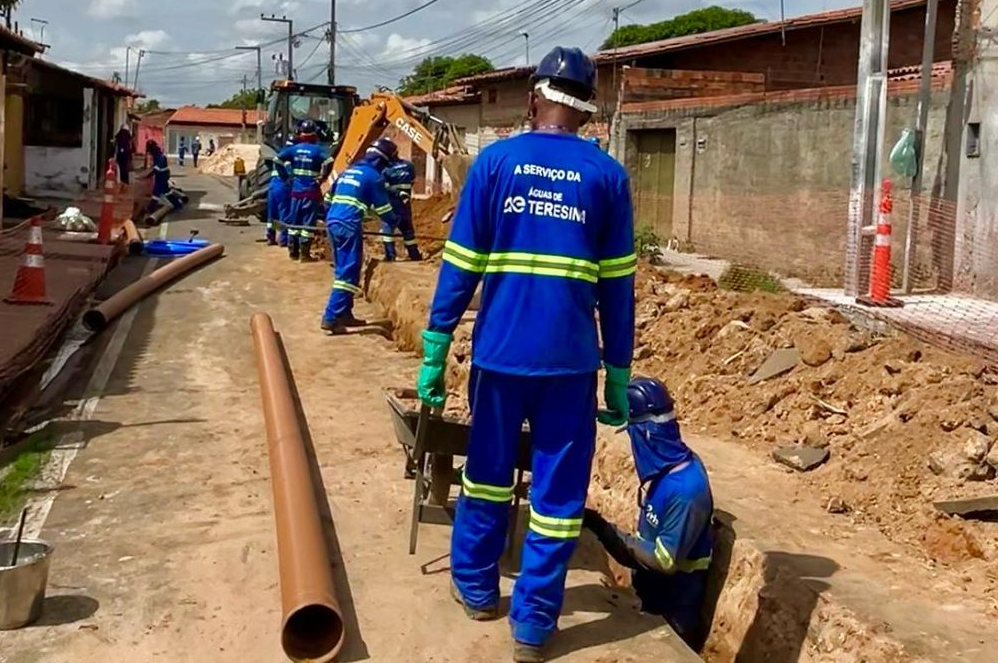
(409, 236)
(304, 212)
(482, 516)
(348, 255)
(562, 416)
(388, 239)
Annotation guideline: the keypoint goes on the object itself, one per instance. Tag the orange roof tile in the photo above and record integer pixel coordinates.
(228, 117)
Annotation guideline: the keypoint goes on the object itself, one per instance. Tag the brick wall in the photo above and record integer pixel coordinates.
(767, 183)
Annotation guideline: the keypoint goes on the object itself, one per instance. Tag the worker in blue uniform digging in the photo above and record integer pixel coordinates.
(545, 221)
(671, 552)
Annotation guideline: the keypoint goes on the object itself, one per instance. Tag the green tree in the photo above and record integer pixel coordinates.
(7, 5)
(244, 99)
(147, 106)
(436, 73)
(691, 23)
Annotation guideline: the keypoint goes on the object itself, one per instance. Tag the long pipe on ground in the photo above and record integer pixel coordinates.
(98, 318)
(312, 628)
(133, 237)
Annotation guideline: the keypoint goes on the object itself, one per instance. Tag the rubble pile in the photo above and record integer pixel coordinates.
(222, 161)
(901, 424)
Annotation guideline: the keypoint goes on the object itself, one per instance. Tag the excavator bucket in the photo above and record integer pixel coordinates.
(457, 166)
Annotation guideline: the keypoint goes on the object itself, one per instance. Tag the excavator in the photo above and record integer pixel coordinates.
(348, 125)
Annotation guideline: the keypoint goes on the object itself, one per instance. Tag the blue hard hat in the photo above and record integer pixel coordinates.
(307, 127)
(648, 396)
(594, 140)
(384, 148)
(568, 67)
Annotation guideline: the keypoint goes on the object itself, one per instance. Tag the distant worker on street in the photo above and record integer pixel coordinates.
(160, 172)
(671, 552)
(278, 204)
(546, 217)
(359, 191)
(211, 146)
(399, 176)
(196, 150)
(181, 151)
(123, 153)
(309, 163)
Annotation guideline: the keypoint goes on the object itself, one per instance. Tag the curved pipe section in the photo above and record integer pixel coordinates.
(312, 628)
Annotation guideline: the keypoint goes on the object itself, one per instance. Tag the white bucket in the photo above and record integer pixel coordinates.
(22, 586)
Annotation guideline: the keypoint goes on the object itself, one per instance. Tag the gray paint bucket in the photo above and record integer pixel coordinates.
(22, 586)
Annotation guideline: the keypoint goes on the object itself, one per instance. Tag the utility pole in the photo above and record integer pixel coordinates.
(868, 140)
(128, 56)
(138, 65)
(291, 39)
(921, 120)
(332, 42)
(42, 22)
(259, 88)
(526, 39)
(243, 132)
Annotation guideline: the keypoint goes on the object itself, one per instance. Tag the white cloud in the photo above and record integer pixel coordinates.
(111, 8)
(240, 5)
(151, 39)
(396, 44)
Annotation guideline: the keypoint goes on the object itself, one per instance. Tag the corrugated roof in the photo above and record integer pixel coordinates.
(455, 94)
(10, 40)
(497, 75)
(228, 117)
(914, 72)
(743, 32)
(114, 88)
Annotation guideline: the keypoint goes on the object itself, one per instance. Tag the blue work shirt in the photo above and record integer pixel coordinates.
(160, 174)
(546, 220)
(358, 192)
(305, 162)
(399, 178)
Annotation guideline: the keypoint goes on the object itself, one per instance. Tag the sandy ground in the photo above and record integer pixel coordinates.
(163, 528)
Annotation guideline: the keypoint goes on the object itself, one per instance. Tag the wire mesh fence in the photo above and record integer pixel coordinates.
(944, 277)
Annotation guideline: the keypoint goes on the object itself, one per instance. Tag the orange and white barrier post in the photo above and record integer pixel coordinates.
(107, 208)
(29, 284)
(880, 274)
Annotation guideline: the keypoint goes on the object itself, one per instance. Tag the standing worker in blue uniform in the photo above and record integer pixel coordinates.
(358, 192)
(399, 176)
(278, 203)
(671, 552)
(545, 221)
(160, 171)
(310, 164)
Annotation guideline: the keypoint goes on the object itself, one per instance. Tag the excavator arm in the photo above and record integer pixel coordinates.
(384, 109)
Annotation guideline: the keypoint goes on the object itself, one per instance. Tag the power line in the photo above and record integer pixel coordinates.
(391, 20)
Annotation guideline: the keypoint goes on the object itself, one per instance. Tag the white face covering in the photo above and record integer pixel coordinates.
(543, 87)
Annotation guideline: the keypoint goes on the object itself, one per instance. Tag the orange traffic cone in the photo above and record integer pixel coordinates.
(29, 284)
(107, 208)
(880, 274)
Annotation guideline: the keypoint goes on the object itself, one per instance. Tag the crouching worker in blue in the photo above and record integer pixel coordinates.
(399, 177)
(671, 552)
(359, 191)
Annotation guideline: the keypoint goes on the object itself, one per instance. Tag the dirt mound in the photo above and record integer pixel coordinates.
(222, 161)
(427, 217)
(882, 405)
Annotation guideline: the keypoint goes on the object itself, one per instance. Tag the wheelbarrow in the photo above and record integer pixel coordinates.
(430, 441)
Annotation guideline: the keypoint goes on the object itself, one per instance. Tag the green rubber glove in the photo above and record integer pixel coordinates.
(615, 396)
(430, 383)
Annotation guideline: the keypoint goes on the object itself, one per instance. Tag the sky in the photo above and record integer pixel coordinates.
(190, 44)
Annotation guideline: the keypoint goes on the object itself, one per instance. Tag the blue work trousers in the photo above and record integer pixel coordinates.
(304, 211)
(348, 254)
(278, 210)
(561, 410)
(408, 237)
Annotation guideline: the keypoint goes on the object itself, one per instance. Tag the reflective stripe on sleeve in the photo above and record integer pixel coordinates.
(540, 264)
(349, 287)
(486, 492)
(617, 267)
(555, 528)
(691, 565)
(384, 209)
(349, 200)
(464, 258)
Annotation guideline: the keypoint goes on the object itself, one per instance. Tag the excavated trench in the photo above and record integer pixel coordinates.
(764, 606)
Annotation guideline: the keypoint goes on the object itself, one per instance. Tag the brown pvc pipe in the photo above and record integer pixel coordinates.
(312, 627)
(156, 218)
(98, 318)
(133, 237)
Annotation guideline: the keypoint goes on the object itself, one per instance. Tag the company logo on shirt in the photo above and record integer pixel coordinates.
(514, 205)
(650, 515)
(553, 174)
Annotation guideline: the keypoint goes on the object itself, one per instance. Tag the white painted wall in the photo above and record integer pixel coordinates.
(221, 135)
(56, 172)
(977, 211)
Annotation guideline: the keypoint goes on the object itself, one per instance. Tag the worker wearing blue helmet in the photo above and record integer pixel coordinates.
(358, 192)
(670, 554)
(545, 223)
